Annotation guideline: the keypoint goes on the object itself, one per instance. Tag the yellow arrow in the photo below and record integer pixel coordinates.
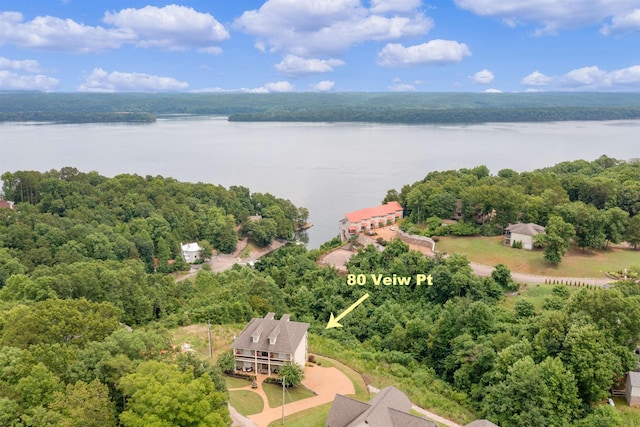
(333, 321)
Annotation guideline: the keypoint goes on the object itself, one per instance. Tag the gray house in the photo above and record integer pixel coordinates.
(524, 233)
(266, 344)
(481, 423)
(632, 392)
(388, 408)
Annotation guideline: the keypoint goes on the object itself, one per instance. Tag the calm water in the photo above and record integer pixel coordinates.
(329, 168)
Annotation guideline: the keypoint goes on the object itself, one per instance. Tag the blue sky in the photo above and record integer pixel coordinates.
(320, 45)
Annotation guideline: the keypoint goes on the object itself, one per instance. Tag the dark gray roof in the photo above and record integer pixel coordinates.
(286, 333)
(344, 410)
(481, 423)
(388, 408)
(634, 379)
(529, 229)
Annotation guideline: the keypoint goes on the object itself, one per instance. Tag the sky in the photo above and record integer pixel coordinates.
(320, 45)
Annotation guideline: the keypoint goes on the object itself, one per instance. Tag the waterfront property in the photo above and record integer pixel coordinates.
(190, 252)
(523, 233)
(266, 344)
(365, 220)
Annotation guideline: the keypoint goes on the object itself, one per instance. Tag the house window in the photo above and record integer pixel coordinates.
(255, 339)
(272, 341)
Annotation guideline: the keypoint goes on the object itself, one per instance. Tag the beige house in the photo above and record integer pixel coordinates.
(522, 232)
(632, 392)
(266, 344)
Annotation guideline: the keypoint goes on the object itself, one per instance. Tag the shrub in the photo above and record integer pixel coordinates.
(517, 244)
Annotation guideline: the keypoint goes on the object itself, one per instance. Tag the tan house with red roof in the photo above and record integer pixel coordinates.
(6, 204)
(364, 220)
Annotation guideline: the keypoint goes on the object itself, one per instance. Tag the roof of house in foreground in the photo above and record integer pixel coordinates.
(377, 211)
(528, 229)
(388, 408)
(285, 334)
(481, 423)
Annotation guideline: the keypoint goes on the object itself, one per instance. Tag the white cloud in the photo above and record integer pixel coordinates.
(24, 75)
(588, 78)
(28, 65)
(295, 66)
(281, 86)
(536, 79)
(383, 6)
(401, 87)
(624, 22)
(323, 86)
(328, 28)
(483, 77)
(492, 91)
(101, 81)
(433, 52)
(551, 15)
(585, 76)
(171, 27)
(64, 35)
(14, 81)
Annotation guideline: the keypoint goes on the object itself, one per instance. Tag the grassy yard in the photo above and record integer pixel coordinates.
(535, 294)
(246, 402)
(491, 251)
(630, 416)
(236, 382)
(274, 394)
(196, 337)
(312, 417)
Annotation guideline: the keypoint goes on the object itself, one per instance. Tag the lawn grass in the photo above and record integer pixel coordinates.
(630, 416)
(246, 402)
(196, 336)
(312, 417)
(535, 294)
(236, 382)
(577, 263)
(293, 394)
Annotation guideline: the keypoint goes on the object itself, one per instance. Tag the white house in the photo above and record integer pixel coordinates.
(365, 220)
(266, 344)
(524, 233)
(632, 392)
(190, 252)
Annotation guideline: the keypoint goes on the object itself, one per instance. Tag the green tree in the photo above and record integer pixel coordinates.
(555, 239)
(292, 373)
(9, 266)
(616, 221)
(502, 276)
(83, 405)
(161, 395)
(632, 233)
(602, 416)
(533, 395)
(262, 232)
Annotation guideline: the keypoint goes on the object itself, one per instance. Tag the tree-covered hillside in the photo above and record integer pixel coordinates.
(77, 267)
(411, 108)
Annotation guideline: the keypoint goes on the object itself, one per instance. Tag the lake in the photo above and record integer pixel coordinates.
(328, 168)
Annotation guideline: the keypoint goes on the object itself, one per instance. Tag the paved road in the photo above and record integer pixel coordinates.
(485, 271)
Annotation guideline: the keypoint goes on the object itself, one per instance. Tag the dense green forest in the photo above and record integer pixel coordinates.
(361, 107)
(76, 117)
(76, 270)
